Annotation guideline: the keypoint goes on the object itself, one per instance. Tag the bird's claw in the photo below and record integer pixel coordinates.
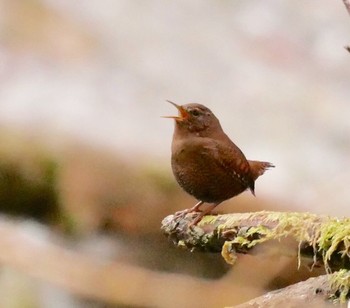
(183, 213)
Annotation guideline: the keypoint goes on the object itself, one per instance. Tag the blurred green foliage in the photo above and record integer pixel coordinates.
(30, 194)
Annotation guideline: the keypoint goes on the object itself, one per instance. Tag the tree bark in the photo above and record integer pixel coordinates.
(321, 238)
(312, 293)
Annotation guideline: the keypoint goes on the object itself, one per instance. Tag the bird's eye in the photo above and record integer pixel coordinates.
(195, 112)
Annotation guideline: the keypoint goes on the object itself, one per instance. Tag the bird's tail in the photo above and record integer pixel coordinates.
(258, 168)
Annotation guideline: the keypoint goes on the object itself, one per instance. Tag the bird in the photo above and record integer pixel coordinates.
(205, 161)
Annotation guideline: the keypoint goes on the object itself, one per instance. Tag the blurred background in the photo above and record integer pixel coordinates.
(85, 155)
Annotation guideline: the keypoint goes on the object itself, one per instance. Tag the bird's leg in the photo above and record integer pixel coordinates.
(190, 210)
(196, 207)
(203, 213)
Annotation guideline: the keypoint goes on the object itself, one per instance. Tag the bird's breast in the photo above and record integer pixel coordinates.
(199, 172)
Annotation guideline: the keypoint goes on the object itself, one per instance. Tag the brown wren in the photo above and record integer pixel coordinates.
(206, 163)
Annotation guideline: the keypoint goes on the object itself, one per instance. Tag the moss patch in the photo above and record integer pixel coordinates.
(340, 283)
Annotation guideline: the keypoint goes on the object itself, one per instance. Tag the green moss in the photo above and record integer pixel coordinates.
(340, 284)
(325, 237)
(228, 253)
(272, 225)
(208, 220)
(329, 237)
(334, 237)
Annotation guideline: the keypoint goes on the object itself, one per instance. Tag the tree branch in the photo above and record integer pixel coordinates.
(321, 238)
(314, 292)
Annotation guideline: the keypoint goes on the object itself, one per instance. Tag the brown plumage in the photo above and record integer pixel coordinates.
(206, 163)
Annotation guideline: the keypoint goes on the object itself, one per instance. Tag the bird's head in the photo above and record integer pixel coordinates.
(195, 118)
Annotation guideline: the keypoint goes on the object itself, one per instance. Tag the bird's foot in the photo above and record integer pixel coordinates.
(197, 219)
(193, 209)
(202, 214)
(181, 213)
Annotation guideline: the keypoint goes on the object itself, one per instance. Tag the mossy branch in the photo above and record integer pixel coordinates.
(324, 239)
(313, 292)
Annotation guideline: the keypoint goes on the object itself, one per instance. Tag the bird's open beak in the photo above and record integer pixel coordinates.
(183, 114)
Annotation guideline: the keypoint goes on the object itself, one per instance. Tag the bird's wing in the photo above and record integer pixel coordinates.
(231, 158)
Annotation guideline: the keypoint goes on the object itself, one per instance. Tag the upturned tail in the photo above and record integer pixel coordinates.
(258, 168)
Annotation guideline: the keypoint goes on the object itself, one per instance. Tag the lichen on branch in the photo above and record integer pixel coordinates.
(322, 238)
